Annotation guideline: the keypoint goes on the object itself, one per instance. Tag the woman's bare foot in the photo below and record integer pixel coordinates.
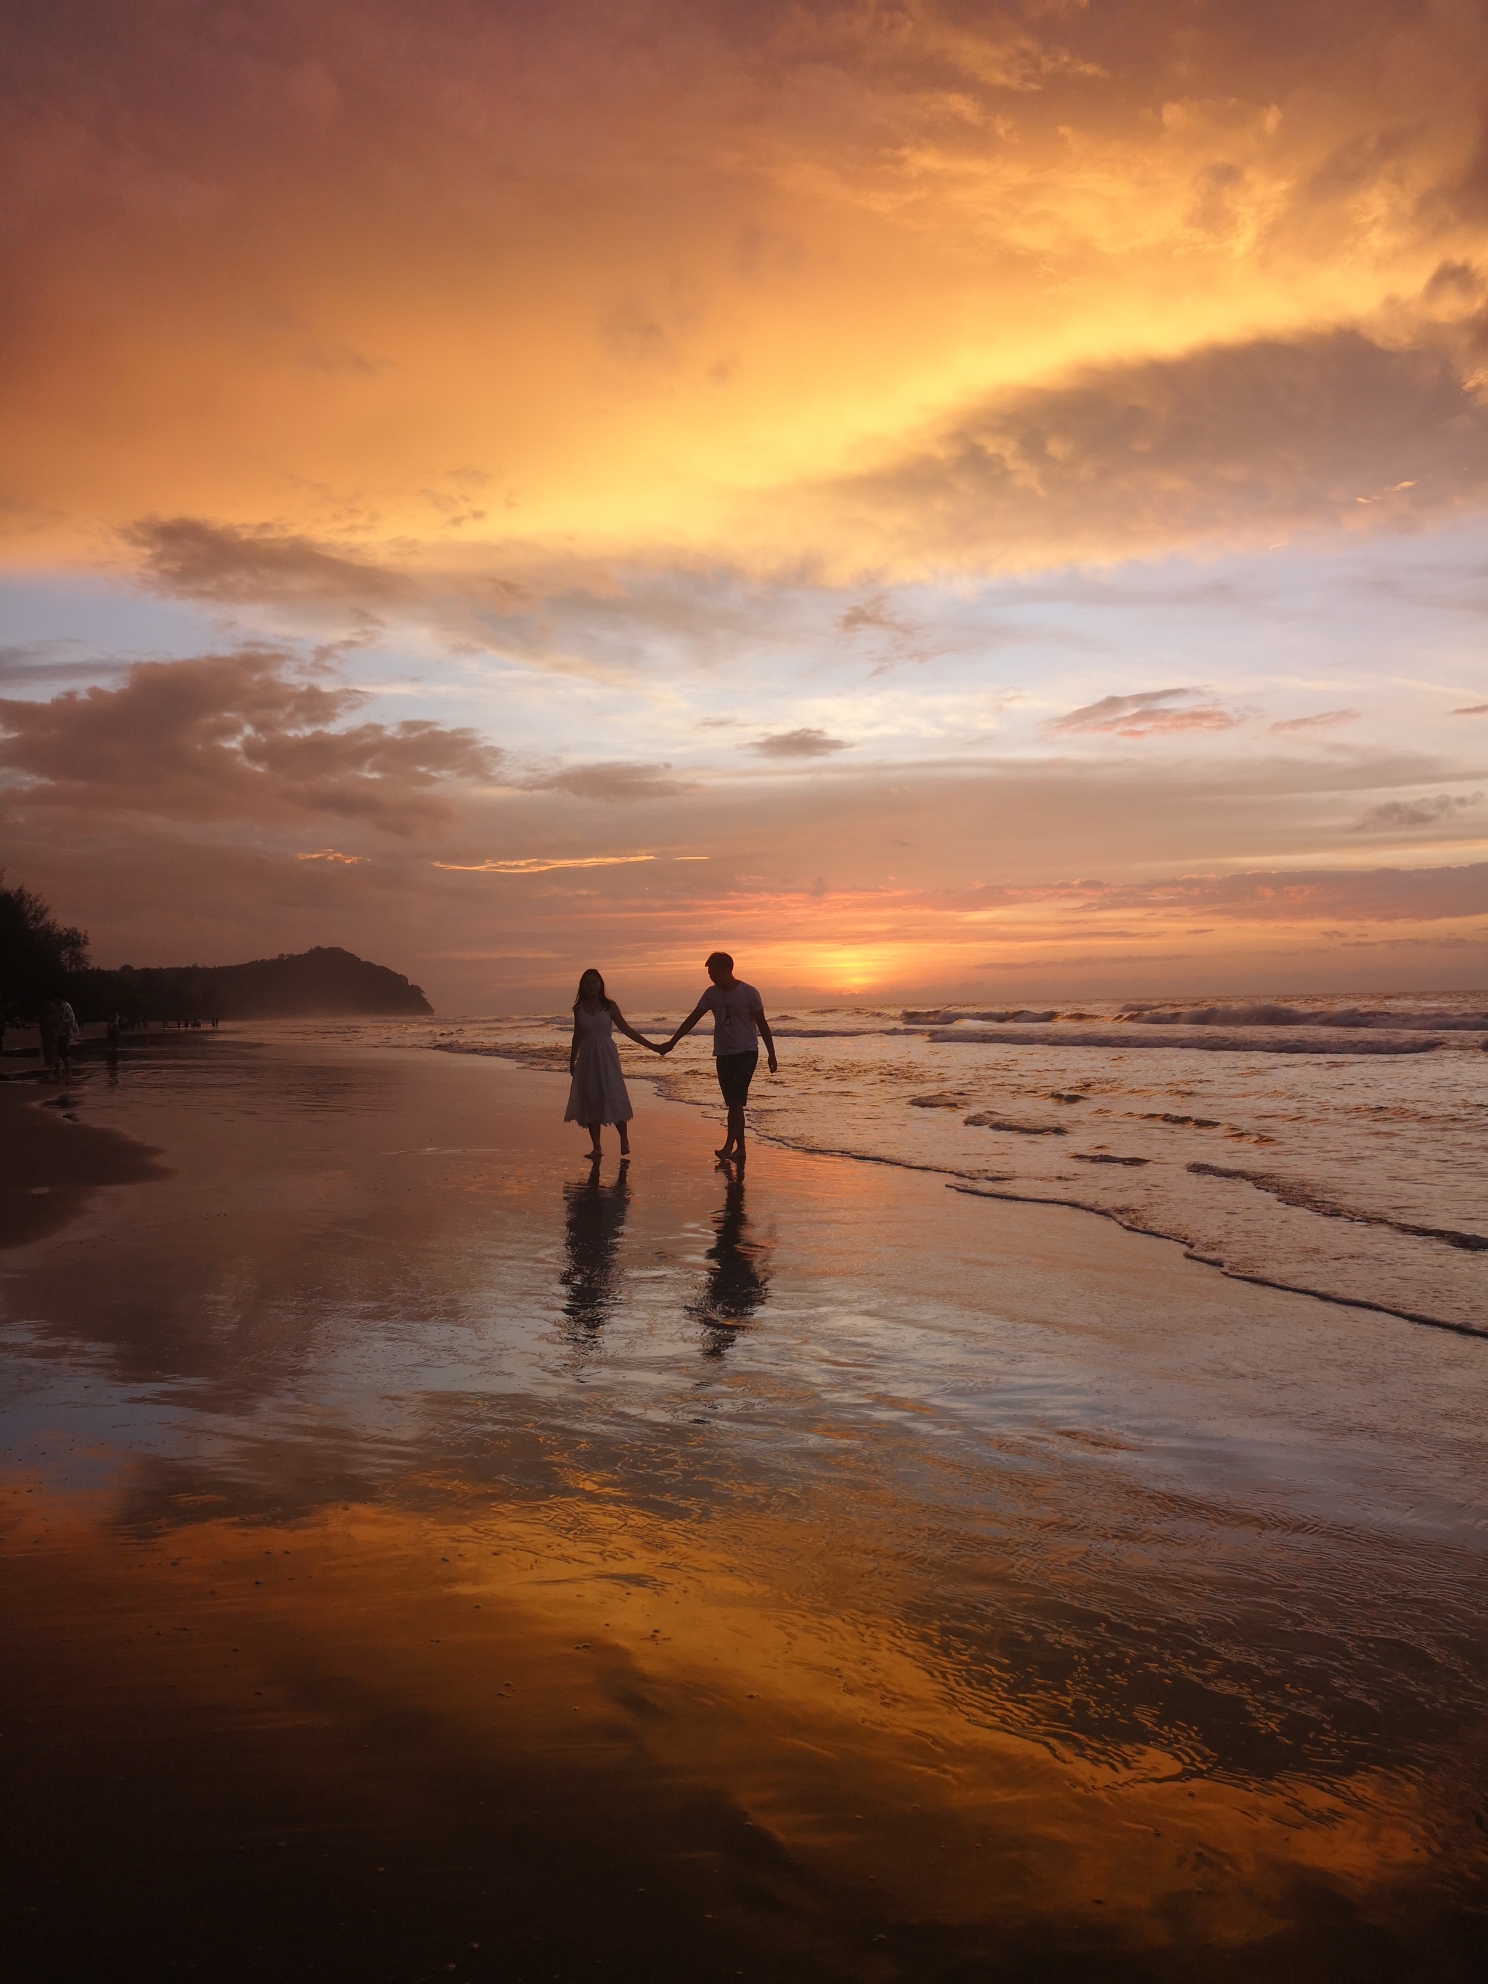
(625, 1146)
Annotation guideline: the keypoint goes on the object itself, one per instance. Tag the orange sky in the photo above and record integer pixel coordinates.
(824, 465)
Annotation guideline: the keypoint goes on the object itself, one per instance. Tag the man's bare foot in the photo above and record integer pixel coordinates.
(725, 1152)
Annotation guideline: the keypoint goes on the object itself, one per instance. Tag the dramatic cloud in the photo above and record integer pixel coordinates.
(233, 737)
(791, 430)
(1224, 445)
(1000, 285)
(806, 743)
(1153, 713)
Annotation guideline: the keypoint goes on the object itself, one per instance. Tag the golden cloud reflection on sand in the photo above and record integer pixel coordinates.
(596, 1644)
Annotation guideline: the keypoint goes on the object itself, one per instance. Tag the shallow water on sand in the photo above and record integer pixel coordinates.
(501, 1569)
(1320, 1144)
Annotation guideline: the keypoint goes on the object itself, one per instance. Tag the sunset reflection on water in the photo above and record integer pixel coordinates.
(1008, 1586)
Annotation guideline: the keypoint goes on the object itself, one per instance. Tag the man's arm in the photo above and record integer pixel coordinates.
(688, 1024)
(758, 1016)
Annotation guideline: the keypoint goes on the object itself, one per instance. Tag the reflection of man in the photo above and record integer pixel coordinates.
(738, 1023)
(737, 1286)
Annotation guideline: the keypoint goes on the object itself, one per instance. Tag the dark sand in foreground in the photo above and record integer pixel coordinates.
(422, 1563)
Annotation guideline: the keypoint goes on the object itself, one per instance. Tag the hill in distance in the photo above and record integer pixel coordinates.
(324, 981)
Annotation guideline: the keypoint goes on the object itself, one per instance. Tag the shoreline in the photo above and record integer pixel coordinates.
(59, 1161)
(977, 1184)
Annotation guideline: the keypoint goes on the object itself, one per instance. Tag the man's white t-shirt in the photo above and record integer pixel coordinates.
(733, 1007)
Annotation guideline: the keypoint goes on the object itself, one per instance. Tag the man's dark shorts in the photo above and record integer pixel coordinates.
(735, 1073)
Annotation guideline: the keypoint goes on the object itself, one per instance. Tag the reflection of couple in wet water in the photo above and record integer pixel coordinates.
(597, 1093)
(736, 1284)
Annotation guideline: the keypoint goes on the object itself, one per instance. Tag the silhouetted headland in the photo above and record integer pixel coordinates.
(37, 953)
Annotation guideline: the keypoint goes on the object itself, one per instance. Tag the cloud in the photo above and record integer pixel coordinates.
(614, 783)
(333, 854)
(805, 743)
(729, 184)
(1153, 713)
(234, 737)
(193, 559)
(1472, 709)
(1324, 720)
(1222, 446)
(540, 864)
(1282, 896)
(1404, 814)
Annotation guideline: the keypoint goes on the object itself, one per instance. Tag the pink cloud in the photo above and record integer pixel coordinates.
(1152, 713)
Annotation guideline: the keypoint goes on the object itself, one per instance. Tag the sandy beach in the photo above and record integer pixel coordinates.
(426, 1558)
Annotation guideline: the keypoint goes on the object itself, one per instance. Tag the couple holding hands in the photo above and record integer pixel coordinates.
(597, 1092)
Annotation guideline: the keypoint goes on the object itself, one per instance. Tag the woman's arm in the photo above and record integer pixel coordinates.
(623, 1025)
(573, 1045)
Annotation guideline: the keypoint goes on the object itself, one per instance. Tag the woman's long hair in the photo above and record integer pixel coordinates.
(591, 973)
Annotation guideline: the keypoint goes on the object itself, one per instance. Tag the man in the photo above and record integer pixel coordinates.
(738, 1023)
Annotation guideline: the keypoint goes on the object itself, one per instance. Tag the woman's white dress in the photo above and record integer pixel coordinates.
(597, 1092)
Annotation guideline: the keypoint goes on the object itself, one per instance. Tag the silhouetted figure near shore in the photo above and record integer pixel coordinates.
(594, 1222)
(739, 1023)
(737, 1285)
(57, 1024)
(596, 1092)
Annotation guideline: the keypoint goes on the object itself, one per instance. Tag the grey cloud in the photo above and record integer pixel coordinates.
(42, 662)
(1220, 445)
(1398, 814)
(1153, 713)
(194, 559)
(232, 737)
(1472, 709)
(804, 743)
(613, 782)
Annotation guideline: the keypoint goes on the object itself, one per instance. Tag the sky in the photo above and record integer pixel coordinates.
(940, 500)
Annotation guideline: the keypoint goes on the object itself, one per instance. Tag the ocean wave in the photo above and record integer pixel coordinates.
(1201, 1042)
(1293, 1192)
(1263, 1013)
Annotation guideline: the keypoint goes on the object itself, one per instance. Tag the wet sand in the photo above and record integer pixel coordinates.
(422, 1560)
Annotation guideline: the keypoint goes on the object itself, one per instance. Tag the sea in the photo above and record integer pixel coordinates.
(1336, 1148)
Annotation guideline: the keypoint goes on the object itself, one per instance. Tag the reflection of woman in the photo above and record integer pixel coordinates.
(736, 1285)
(595, 1221)
(596, 1094)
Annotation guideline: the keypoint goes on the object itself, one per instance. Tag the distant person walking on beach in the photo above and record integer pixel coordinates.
(738, 1024)
(58, 1026)
(597, 1093)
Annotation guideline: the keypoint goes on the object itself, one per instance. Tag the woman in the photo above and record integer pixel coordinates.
(597, 1092)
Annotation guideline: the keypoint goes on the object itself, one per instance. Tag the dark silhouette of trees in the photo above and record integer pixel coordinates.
(36, 951)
